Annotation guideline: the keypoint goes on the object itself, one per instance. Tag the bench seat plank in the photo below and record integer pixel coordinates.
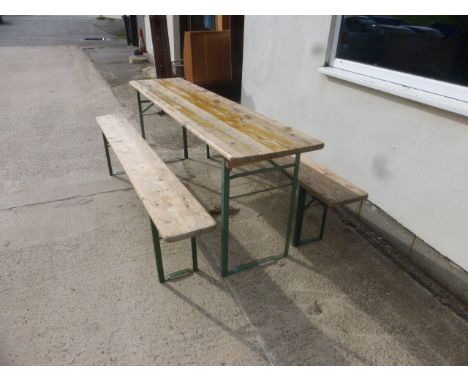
(319, 181)
(173, 209)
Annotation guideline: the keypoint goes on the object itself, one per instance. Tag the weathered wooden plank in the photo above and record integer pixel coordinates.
(266, 130)
(321, 182)
(227, 142)
(237, 133)
(173, 209)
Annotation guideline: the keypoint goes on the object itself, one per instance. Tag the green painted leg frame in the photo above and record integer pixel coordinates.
(109, 164)
(225, 190)
(158, 256)
(301, 207)
(142, 112)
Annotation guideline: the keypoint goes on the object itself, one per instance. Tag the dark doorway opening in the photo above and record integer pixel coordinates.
(233, 26)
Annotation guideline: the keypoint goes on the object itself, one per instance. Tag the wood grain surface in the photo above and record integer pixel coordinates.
(173, 209)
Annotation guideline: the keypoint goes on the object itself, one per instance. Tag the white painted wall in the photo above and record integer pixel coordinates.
(173, 34)
(411, 158)
(148, 40)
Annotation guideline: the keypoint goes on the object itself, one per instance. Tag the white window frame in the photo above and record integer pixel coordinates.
(441, 88)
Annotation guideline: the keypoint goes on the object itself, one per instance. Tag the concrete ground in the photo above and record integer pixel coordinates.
(78, 282)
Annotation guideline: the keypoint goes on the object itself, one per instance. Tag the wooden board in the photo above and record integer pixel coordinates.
(173, 209)
(207, 56)
(239, 134)
(319, 181)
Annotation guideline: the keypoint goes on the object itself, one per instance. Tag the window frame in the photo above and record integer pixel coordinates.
(437, 87)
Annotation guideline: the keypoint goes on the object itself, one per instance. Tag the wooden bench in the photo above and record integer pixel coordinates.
(326, 189)
(174, 212)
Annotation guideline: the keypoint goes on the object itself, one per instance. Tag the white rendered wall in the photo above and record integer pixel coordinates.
(173, 34)
(148, 40)
(411, 158)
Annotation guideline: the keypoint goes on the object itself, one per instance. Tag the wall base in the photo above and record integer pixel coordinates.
(419, 259)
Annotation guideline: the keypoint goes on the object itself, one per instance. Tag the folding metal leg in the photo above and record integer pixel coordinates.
(184, 137)
(106, 147)
(157, 252)
(140, 112)
(301, 199)
(159, 262)
(225, 185)
(301, 207)
(292, 204)
(324, 219)
(194, 253)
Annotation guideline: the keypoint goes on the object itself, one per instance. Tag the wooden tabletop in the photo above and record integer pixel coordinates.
(237, 133)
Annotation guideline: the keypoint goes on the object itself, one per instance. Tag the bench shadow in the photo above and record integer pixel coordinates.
(369, 282)
(374, 284)
(212, 317)
(288, 334)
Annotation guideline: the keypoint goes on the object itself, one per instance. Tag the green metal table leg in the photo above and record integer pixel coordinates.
(225, 184)
(194, 254)
(157, 252)
(184, 136)
(106, 147)
(292, 204)
(140, 112)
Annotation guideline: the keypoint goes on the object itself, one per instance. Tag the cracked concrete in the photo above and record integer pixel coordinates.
(78, 282)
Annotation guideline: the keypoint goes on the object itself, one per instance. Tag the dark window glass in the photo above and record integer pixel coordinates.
(428, 46)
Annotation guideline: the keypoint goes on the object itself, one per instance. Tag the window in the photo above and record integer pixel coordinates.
(429, 53)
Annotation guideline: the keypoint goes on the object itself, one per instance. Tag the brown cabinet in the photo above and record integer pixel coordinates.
(207, 56)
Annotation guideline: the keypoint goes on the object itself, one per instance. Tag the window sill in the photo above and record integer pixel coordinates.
(442, 102)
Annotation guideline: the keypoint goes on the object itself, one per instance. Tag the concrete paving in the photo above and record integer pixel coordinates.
(78, 282)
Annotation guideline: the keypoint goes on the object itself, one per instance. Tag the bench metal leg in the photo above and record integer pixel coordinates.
(194, 253)
(301, 207)
(324, 219)
(225, 185)
(301, 200)
(140, 112)
(106, 147)
(157, 252)
(159, 262)
(207, 152)
(184, 137)
(292, 204)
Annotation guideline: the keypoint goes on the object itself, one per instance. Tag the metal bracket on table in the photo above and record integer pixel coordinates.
(208, 154)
